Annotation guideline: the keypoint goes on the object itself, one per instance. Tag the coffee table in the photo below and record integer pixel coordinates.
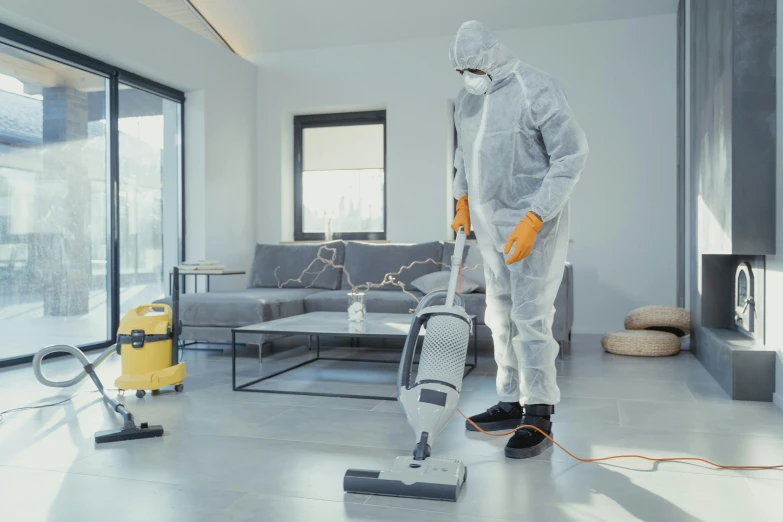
(333, 324)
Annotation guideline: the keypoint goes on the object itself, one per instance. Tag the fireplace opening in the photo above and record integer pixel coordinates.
(744, 300)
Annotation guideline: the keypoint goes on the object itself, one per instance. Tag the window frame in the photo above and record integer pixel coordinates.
(343, 119)
(32, 44)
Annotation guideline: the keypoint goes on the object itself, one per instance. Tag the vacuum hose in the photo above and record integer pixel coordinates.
(72, 350)
(89, 369)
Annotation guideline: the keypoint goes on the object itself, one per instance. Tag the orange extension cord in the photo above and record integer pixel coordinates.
(612, 457)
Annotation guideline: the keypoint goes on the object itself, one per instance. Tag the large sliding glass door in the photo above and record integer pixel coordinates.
(53, 204)
(90, 170)
(149, 159)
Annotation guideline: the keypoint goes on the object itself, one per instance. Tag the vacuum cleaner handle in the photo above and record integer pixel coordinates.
(175, 326)
(456, 264)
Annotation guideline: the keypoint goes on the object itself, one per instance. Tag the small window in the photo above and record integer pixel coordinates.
(340, 176)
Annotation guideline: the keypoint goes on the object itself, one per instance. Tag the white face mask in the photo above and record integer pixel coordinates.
(476, 83)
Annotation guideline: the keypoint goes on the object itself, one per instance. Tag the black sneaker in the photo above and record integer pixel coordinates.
(527, 442)
(501, 416)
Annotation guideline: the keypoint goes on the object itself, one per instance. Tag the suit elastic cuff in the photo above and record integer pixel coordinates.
(540, 213)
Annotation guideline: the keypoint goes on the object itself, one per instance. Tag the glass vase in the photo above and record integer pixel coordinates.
(356, 309)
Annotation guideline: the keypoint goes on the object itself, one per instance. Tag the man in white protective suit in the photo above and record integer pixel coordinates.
(520, 152)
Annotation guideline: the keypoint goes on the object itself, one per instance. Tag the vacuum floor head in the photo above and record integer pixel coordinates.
(432, 479)
(143, 431)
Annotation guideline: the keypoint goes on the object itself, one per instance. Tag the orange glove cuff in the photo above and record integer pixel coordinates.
(532, 221)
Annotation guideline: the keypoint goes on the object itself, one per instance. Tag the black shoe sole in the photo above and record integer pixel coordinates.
(509, 424)
(526, 453)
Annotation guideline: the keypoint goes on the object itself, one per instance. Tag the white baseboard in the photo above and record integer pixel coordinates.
(777, 399)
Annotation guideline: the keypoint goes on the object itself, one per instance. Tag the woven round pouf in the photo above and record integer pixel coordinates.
(641, 343)
(661, 318)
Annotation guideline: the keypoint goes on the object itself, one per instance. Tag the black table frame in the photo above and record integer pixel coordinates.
(245, 387)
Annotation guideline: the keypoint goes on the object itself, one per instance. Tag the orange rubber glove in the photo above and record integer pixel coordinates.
(524, 235)
(462, 217)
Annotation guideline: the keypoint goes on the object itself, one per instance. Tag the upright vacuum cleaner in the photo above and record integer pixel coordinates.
(147, 342)
(429, 400)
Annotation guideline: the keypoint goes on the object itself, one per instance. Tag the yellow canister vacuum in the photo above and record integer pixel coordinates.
(147, 342)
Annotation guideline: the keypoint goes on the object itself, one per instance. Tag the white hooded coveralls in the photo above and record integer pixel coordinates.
(519, 148)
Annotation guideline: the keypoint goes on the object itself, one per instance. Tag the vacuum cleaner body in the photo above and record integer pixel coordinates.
(428, 400)
(145, 344)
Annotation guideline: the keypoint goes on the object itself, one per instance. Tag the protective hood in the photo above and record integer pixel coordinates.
(476, 48)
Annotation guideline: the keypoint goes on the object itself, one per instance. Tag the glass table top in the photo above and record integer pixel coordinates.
(335, 323)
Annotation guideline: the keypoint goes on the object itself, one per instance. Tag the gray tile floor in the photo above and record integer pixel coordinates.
(230, 456)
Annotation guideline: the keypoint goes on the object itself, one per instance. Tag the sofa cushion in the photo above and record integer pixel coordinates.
(240, 308)
(472, 263)
(440, 281)
(291, 260)
(386, 302)
(369, 263)
(376, 301)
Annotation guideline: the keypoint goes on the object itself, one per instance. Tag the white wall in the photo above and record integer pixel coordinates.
(220, 109)
(774, 273)
(621, 77)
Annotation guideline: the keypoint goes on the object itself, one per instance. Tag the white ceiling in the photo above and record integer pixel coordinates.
(257, 26)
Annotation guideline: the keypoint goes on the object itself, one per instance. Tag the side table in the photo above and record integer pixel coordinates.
(196, 273)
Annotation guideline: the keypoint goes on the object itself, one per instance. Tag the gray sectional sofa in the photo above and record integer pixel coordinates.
(209, 317)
